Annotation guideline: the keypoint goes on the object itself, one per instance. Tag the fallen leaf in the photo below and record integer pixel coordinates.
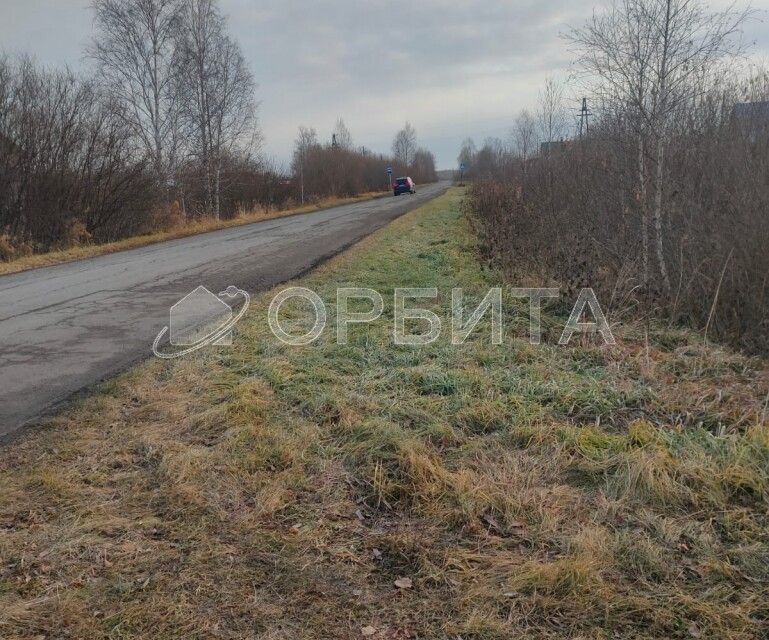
(492, 522)
(377, 554)
(404, 583)
(368, 631)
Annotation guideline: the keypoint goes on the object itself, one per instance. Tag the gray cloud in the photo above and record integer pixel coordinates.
(453, 69)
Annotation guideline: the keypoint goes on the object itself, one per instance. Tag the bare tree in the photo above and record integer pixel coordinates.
(305, 141)
(615, 52)
(648, 59)
(524, 137)
(552, 116)
(690, 42)
(424, 166)
(135, 48)
(342, 135)
(467, 153)
(233, 108)
(69, 171)
(405, 145)
(218, 92)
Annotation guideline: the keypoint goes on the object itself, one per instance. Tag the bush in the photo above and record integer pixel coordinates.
(574, 216)
(7, 252)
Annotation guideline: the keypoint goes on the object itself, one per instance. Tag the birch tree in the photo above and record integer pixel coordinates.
(467, 153)
(552, 119)
(135, 48)
(524, 137)
(342, 135)
(218, 91)
(305, 141)
(647, 59)
(405, 145)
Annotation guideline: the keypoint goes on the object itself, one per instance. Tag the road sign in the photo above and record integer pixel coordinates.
(462, 167)
(390, 170)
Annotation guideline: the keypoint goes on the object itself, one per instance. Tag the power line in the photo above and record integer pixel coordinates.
(584, 119)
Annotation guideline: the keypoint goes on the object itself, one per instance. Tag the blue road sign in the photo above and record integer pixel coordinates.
(462, 167)
(390, 170)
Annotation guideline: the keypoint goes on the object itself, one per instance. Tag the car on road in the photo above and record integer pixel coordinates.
(404, 185)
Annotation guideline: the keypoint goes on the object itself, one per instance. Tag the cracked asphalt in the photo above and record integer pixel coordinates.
(67, 327)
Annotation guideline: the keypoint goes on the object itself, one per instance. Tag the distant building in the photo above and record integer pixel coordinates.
(751, 111)
(752, 118)
(554, 146)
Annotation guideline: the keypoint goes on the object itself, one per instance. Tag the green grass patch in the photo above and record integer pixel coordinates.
(271, 491)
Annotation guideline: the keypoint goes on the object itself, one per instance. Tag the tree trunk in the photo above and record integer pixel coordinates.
(156, 117)
(660, 121)
(209, 185)
(644, 213)
(217, 190)
(658, 213)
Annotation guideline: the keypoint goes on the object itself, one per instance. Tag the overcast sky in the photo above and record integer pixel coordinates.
(454, 69)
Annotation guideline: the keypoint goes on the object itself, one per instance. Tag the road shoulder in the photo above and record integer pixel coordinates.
(368, 490)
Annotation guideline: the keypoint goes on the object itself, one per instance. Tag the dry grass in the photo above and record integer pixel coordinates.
(273, 492)
(15, 264)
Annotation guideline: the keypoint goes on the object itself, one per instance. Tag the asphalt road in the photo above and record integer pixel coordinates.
(67, 327)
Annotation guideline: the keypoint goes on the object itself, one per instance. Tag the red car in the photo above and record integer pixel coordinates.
(404, 185)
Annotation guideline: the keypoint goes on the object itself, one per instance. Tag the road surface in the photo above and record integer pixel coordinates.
(65, 328)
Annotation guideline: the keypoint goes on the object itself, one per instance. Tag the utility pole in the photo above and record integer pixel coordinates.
(584, 119)
(301, 177)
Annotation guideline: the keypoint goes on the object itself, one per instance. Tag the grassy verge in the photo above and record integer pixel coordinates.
(24, 263)
(326, 492)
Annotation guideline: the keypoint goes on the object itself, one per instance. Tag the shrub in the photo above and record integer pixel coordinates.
(574, 217)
